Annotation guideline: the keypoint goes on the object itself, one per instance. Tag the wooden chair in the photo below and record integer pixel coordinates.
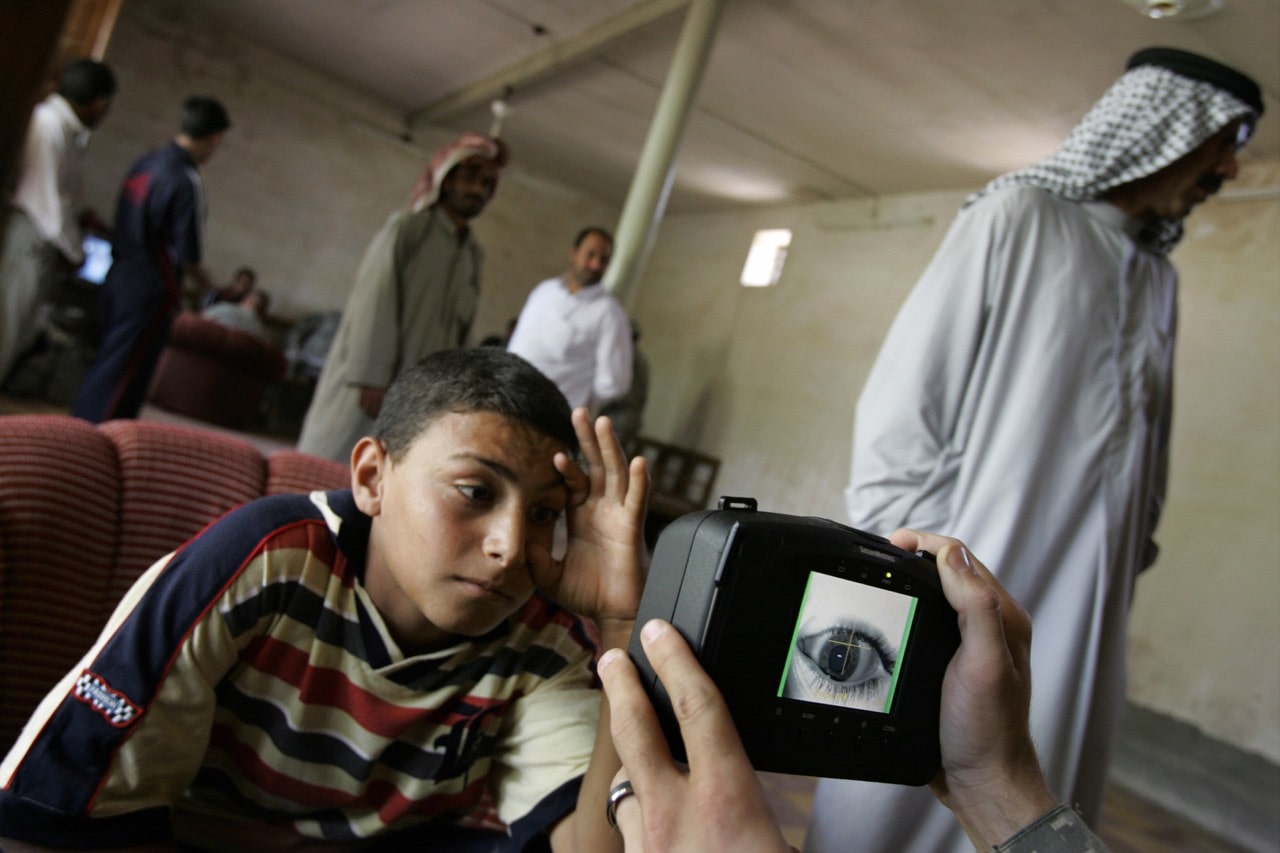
(680, 480)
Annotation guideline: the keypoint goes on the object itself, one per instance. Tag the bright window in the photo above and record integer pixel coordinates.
(765, 259)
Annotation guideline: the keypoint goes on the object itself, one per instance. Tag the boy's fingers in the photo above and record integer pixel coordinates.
(574, 478)
(638, 485)
(615, 463)
(710, 738)
(587, 442)
(610, 472)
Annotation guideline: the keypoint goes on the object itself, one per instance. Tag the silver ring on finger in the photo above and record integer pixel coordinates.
(617, 794)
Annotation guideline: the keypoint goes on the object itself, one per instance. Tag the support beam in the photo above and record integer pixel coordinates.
(647, 198)
(545, 63)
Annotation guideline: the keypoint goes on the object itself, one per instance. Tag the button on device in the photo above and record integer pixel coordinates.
(784, 735)
(877, 743)
(782, 741)
(854, 749)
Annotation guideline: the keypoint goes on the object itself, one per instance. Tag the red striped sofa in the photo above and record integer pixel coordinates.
(85, 509)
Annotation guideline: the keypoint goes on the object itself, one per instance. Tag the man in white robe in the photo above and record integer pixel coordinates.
(1022, 401)
(416, 291)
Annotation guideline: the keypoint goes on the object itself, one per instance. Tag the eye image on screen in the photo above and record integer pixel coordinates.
(846, 644)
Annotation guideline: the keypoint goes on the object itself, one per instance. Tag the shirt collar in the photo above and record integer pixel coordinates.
(588, 292)
(1109, 214)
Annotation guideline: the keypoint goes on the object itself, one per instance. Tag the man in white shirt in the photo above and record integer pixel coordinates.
(575, 331)
(42, 234)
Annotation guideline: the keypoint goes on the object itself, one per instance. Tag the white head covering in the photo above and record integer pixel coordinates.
(1149, 118)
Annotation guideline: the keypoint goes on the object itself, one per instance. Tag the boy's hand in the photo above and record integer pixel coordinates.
(603, 570)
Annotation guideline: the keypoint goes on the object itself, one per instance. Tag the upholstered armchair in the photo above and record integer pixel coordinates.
(214, 373)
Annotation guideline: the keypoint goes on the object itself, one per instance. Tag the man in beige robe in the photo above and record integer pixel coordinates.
(416, 292)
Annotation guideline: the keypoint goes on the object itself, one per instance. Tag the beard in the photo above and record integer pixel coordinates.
(466, 206)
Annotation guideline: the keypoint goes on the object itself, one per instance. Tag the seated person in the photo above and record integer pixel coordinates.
(307, 343)
(990, 777)
(400, 657)
(242, 283)
(244, 316)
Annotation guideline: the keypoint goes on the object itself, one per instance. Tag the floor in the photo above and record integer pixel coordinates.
(1129, 823)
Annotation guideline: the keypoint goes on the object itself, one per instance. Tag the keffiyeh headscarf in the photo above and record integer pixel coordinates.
(1166, 105)
(467, 147)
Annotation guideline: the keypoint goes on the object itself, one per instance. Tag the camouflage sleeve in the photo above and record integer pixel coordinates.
(1060, 830)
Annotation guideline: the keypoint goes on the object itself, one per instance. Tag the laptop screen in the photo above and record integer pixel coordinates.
(97, 259)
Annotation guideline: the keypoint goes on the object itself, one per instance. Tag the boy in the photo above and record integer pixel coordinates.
(401, 658)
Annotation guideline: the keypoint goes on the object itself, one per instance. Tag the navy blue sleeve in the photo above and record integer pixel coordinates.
(181, 218)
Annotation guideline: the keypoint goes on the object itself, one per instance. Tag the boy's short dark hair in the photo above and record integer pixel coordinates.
(466, 380)
(83, 81)
(203, 117)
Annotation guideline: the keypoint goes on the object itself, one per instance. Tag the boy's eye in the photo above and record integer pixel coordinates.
(480, 494)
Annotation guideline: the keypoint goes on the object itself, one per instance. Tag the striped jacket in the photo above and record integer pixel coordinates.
(246, 681)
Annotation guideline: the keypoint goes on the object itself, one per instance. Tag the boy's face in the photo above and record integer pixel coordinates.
(454, 522)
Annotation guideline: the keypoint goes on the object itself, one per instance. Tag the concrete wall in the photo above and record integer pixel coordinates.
(1205, 626)
(766, 379)
(310, 169)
